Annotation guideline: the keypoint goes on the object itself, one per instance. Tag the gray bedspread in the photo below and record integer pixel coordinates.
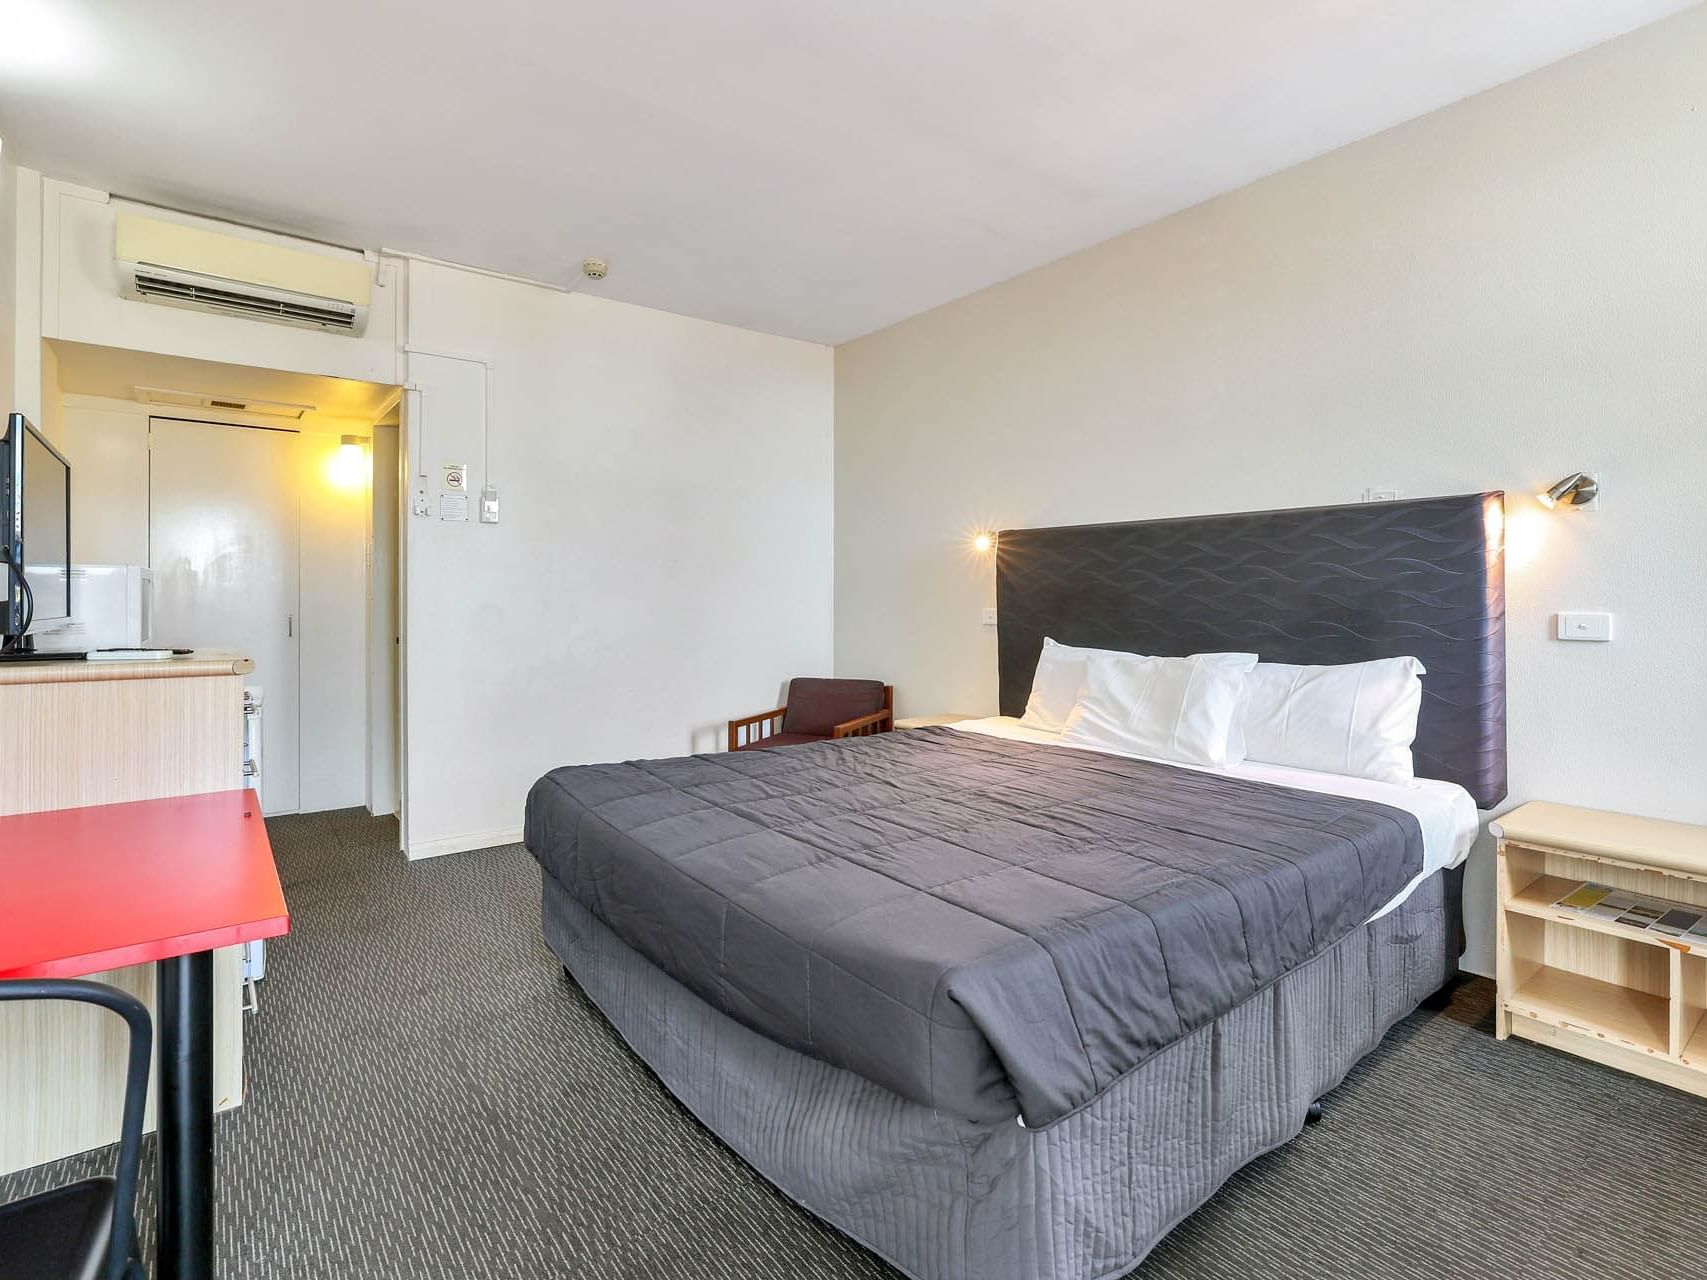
(980, 925)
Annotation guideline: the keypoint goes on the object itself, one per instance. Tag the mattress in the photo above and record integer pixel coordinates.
(978, 924)
(944, 1198)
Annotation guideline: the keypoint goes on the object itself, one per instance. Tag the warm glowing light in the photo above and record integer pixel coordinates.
(347, 468)
(983, 542)
(1526, 534)
(1493, 522)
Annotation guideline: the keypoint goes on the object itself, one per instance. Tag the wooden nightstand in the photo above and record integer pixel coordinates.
(1627, 997)
(926, 722)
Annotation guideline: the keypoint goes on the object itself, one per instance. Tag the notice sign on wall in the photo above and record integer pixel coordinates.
(456, 477)
(453, 506)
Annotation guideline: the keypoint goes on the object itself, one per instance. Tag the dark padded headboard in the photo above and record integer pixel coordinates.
(1423, 577)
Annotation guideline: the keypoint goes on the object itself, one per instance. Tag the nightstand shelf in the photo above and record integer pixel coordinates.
(1538, 898)
(1692, 1009)
(1695, 1051)
(1626, 997)
(1605, 1009)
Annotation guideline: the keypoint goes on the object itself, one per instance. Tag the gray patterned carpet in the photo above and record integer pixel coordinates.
(428, 1097)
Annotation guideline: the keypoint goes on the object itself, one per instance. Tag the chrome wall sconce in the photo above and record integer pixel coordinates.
(1579, 489)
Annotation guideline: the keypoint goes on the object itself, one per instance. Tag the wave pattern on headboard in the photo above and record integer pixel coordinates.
(1424, 577)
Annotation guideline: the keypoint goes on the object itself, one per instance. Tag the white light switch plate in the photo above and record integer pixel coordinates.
(1593, 627)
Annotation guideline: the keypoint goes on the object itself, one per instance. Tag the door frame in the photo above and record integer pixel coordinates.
(384, 654)
(408, 447)
(375, 634)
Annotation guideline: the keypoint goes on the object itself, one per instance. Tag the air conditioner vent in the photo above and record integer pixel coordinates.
(184, 266)
(327, 315)
(202, 400)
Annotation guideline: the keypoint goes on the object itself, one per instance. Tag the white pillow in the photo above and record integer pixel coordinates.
(1056, 685)
(1358, 719)
(1166, 708)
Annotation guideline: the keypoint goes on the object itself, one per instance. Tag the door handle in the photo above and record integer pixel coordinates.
(290, 625)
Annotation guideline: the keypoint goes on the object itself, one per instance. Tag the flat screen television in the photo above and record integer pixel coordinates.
(35, 532)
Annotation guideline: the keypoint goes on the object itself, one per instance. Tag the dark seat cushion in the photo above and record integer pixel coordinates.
(784, 740)
(59, 1234)
(818, 706)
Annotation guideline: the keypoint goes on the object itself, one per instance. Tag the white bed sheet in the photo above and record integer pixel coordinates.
(1444, 810)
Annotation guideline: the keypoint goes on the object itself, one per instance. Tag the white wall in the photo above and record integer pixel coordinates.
(332, 658)
(51, 413)
(664, 556)
(8, 276)
(21, 372)
(107, 443)
(1488, 297)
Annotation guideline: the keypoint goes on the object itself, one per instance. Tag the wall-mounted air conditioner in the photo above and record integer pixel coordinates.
(184, 266)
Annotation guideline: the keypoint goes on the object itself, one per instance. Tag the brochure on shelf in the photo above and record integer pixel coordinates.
(1680, 920)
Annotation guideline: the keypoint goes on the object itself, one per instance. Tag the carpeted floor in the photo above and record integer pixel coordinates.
(428, 1097)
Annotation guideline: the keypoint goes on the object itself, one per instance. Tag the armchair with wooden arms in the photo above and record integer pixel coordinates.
(817, 711)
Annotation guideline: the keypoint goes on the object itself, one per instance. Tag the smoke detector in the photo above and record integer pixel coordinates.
(594, 268)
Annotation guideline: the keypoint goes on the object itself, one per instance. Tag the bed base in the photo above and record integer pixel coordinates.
(1086, 1198)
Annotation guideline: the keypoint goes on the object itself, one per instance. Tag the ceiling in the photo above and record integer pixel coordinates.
(816, 168)
(330, 403)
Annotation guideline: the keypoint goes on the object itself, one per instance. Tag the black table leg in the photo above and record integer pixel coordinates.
(186, 1117)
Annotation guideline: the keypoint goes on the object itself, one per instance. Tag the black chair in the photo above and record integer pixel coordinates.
(85, 1231)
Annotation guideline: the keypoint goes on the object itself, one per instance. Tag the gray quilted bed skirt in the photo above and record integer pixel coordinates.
(943, 1198)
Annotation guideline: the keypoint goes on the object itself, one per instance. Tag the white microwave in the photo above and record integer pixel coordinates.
(112, 607)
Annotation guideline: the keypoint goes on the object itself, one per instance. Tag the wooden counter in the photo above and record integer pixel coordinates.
(87, 733)
(203, 662)
(79, 733)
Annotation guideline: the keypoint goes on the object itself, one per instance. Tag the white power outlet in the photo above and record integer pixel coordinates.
(1381, 494)
(1595, 628)
(423, 505)
(989, 617)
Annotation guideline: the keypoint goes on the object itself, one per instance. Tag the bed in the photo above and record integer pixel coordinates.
(999, 1007)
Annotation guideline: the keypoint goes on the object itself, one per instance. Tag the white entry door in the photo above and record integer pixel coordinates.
(223, 516)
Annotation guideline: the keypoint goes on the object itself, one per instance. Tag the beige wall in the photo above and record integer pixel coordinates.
(1488, 297)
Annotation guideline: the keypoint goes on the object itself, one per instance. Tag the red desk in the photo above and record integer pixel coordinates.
(168, 881)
